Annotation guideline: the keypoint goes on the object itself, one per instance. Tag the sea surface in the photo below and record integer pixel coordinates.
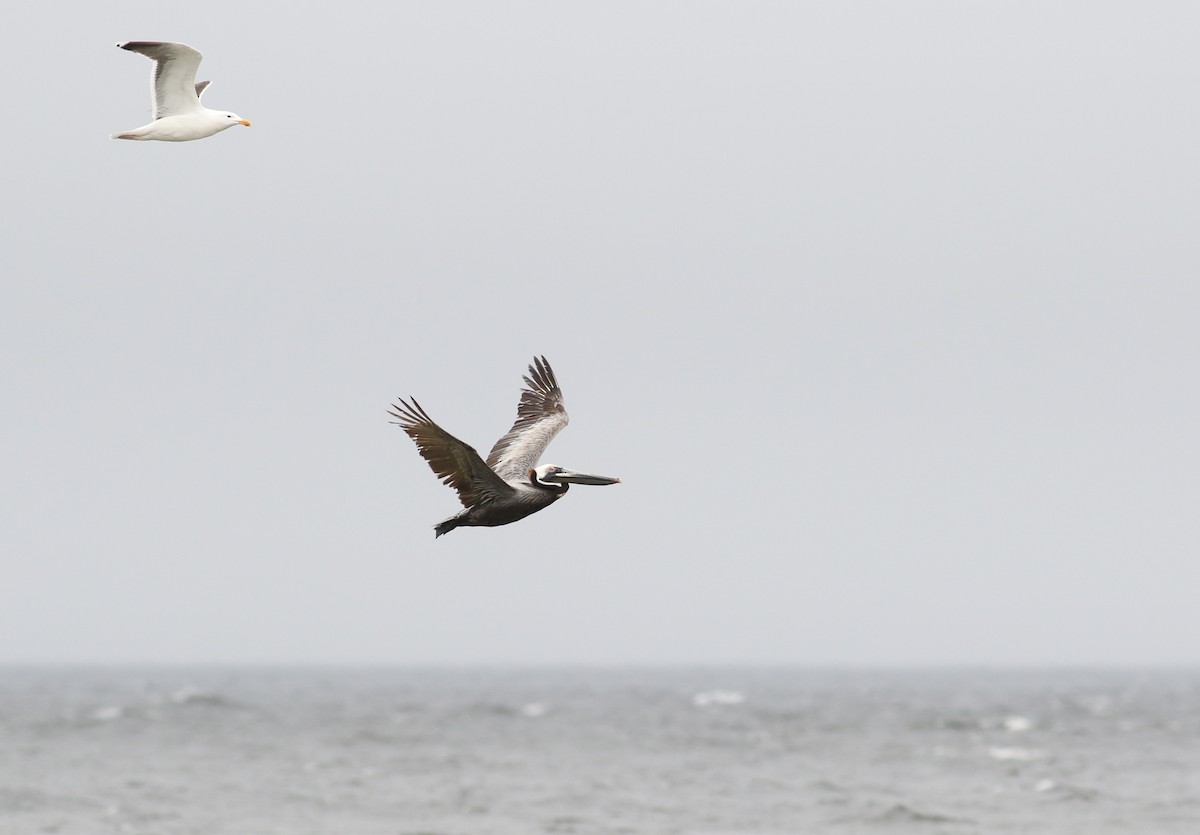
(717, 751)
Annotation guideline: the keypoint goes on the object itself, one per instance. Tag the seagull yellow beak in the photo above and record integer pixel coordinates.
(245, 122)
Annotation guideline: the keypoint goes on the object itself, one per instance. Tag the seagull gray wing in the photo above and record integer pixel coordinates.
(175, 66)
(541, 415)
(201, 86)
(455, 463)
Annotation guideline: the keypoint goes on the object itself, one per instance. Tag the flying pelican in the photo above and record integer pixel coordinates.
(509, 485)
(175, 97)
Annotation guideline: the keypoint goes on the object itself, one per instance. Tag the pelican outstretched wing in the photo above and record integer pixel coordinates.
(541, 415)
(455, 463)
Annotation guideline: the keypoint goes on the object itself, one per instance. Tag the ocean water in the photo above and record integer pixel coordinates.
(217, 751)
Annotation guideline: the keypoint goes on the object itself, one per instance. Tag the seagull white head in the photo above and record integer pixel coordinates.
(231, 119)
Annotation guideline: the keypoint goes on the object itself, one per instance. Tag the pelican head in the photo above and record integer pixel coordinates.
(552, 475)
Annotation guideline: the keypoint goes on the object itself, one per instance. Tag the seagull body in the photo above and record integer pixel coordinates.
(175, 96)
(510, 485)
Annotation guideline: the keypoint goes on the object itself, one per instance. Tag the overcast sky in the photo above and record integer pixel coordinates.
(886, 313)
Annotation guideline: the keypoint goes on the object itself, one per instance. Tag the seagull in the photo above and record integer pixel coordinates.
(178, 114)
(509, 485)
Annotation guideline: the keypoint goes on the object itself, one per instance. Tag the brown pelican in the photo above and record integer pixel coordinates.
(509, 485)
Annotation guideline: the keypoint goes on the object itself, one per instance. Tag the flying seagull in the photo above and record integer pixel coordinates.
(178, 114)
(509, 485)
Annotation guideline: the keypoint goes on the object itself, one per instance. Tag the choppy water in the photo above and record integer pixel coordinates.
(702, 752)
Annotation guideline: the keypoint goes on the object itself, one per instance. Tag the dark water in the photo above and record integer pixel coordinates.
(705, 752)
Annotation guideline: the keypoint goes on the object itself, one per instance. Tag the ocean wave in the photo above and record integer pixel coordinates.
(1065, 791)
(710, 698)
(1015, 754)
(903, 813)
(1017, 724)
(208, 698)
(33, 800)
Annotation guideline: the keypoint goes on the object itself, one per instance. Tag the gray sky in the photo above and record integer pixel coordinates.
(885, 312)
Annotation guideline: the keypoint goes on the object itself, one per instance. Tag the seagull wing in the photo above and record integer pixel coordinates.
(541, 415)
(201, 86)
(455, 463)
(175, 66)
